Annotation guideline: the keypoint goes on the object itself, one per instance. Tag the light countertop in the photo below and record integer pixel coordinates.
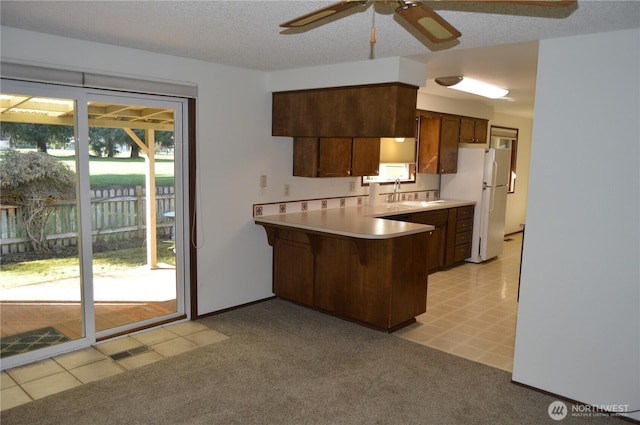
(364, 221)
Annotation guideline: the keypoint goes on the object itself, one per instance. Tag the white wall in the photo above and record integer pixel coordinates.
(578, 331)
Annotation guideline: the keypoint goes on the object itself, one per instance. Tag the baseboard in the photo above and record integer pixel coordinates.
(215, 313)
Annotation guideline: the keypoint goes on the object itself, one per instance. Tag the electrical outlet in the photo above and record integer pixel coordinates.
(263, 181)
(352, 186)
(286, 190)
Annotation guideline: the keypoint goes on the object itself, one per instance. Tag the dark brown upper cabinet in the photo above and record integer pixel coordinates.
(335, 156)
(372, 111)
(473, 130)
(438, 136)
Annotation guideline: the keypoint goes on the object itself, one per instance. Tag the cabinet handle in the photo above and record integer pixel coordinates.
(348, 172)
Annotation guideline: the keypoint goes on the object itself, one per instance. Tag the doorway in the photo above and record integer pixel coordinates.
(103, 254)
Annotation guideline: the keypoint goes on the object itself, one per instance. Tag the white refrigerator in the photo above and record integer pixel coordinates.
(482, 177)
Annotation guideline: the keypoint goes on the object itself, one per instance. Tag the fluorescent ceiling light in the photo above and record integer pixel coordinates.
(472, 86)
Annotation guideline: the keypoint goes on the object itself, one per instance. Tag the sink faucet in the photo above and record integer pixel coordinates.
(396, 195)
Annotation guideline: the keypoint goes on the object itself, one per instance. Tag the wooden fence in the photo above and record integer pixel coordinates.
(116, 214)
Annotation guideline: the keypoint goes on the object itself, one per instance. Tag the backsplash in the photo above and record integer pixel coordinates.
(274, 208)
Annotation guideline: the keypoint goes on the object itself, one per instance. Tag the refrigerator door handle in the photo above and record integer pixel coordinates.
(494, 173)
(492, 201)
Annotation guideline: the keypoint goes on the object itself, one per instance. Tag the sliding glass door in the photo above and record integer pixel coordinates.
(134, 145)
(40, 276)
(95, 248)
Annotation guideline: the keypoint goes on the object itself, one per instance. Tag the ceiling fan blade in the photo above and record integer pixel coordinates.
(323, 13)
(427, 22)
(546, 3)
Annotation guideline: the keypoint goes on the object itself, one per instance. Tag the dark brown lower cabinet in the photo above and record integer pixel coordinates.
(437, 247)
(450, 242)
(378, 282)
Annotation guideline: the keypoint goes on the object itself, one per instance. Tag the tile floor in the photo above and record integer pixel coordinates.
(472, 308)
(23, 384)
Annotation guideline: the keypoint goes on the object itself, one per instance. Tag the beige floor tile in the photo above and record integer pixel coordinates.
(96, 371)
(474, 307)
(12, 397)
(118, 345)
(443, 344)
(35, 371)
(481, 343)
(174, 347)
(154, 336)
(468, 352)
(493, 335)
(470, 327)
(186, 328)
(497, 361)
(503, 350)
(139, 360)
(457, 336)
(52, 384)
(444, 322)
(205, 337)
(417, 337)
(6, 381)
(79, 358)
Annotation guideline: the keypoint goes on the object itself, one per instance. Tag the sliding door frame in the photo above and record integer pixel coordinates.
(184, 185)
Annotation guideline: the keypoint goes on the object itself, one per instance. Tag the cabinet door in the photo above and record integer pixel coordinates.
(365, 156)
(334, 157)
(293, 271)
(428, 144)
(473, 130)
(437, 242)
(481, 129)
(449, 145)
(467, 130)
(305, 156)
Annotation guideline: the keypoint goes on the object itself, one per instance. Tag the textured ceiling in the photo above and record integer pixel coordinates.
(246, 33)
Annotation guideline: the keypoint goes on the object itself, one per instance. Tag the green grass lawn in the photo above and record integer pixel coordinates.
(39, 271)
(123, 171)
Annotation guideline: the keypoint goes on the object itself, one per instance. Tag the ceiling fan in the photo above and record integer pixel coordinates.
(415, 13)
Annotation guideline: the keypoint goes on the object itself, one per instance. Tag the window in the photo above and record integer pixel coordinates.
(397, 161)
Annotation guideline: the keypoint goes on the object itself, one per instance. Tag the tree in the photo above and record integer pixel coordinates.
(106, 141)
(36, 182)
(163, 139)
(37, 135)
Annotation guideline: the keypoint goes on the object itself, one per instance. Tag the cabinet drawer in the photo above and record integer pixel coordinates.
(462, 252)
(431, 217)
(465, 212)
(463, 238)
(464, 225)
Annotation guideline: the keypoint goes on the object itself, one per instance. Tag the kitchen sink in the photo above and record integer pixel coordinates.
(421, 203)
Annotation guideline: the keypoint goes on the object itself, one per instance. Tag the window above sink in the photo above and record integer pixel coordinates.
(397, 161)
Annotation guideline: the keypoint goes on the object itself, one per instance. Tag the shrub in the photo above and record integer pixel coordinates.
(36, 182)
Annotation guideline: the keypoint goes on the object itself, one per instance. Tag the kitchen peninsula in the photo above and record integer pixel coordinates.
(352, 262)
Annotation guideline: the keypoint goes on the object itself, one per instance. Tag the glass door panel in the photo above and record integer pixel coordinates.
(41, 302)
(133, 205)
